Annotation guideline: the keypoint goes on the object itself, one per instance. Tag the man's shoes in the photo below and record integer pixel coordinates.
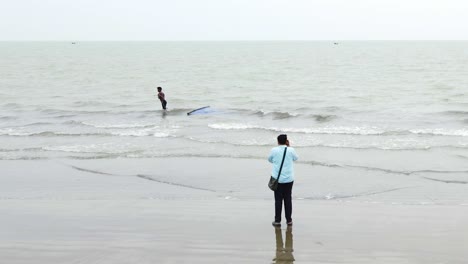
(289, 223)
(276, 223)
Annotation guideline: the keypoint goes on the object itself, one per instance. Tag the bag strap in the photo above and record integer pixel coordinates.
(281, 167)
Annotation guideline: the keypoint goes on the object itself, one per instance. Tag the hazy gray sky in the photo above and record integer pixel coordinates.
(232, 19)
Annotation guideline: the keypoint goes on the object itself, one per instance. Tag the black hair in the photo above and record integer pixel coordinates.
(282, 139)
(159, 88)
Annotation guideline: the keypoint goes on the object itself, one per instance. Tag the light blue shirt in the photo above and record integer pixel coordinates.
(276, 156)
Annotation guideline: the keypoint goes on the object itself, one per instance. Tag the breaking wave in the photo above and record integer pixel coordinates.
(363, 130)
(130, 125)
(441, 132)
(323, 130)
(123, 133)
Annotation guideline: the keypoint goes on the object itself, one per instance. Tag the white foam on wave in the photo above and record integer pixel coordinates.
(233, 126)
(145, 132)
(140, 133)
(336, 130)
(352, 130)
(121, 125)
(441, 132)
(371, 143)
(155, 131)
(92, 148)
(317, 130)
(17, 131)
(278, 113)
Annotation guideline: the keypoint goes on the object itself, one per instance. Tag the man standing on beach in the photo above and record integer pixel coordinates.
(285, 180)
(162, 98)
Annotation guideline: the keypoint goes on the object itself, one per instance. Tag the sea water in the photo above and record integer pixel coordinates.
(392, 106)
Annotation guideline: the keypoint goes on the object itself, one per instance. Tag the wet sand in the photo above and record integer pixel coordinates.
(126, 211)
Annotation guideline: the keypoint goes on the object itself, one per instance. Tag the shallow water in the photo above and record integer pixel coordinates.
(398, 106)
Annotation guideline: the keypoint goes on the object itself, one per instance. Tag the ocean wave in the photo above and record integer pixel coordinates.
(19, 149)
(14, 132)
(96, 157)
(244, 143)
(94, 148)
(22, 133)
(441, 132)
(363, 130)
(140, 155)
(140, 133)
(278, 115)
(323, 118)
(133, 133)
(234, 126)
(23, 158)
(80, 128)
(123, 126)
(275, 114)
(318, 130)
(377, 145)
(71, 113)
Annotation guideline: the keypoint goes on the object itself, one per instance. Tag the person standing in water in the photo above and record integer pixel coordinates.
(285, 180)
(162, 98)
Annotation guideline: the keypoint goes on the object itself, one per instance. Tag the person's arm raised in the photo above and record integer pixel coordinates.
(295, 157)
(270, 158)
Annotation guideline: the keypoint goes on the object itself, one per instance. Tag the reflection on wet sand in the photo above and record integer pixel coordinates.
(284, 254)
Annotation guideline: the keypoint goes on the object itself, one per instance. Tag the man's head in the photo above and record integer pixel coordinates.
(159, 89)
(282, 139)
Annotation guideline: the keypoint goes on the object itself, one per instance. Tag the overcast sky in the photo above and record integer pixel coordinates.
(233, 19)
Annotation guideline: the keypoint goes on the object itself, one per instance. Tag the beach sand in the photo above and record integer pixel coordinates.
(216, 210)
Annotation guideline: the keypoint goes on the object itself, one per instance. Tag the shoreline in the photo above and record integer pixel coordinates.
(105, 211)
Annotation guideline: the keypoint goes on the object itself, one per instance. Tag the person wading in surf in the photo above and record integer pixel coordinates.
(286, 179)
(162, 98)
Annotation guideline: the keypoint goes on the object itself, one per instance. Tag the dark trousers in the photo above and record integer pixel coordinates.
(283, 193)
(163, 104)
